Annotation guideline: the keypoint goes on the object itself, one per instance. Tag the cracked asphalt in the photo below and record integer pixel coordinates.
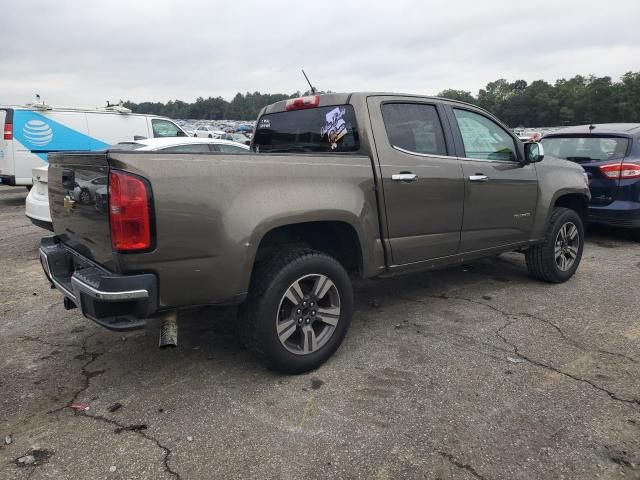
(477, 372)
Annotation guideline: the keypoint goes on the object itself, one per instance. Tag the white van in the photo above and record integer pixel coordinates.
(31, 132)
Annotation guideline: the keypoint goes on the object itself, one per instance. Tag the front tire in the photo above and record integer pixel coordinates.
(298, 311)
(558, 256)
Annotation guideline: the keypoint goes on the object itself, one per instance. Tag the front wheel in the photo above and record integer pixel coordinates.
(298, 311)
(558, 256)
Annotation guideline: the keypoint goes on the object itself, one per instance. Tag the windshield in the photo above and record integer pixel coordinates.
(324, 129)
(586, 149)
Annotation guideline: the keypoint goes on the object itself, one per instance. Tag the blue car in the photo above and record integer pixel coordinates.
(610, 155)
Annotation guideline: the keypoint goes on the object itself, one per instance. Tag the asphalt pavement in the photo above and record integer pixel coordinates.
(475, 372)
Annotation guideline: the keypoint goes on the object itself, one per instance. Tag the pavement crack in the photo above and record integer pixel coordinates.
(29, 338)
(512, 318)
(119, 427)
(86, 374)
(142, 432)
(516, 351)
(463, 466)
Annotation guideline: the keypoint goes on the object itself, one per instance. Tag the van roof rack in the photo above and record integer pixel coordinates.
(119, 107)
(38, 104)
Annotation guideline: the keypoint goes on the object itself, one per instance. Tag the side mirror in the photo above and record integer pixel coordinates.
(533, 152)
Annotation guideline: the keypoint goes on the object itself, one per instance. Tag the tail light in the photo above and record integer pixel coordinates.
(129, 212)
(8, 131)
(312, 101)
(621, 171)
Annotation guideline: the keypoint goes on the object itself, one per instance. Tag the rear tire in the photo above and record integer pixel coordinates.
(284, 334)
(557, 257)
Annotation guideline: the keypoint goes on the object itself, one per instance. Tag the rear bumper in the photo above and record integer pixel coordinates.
(8, 180)
(617, 214)
(37, 209)
(116, 302)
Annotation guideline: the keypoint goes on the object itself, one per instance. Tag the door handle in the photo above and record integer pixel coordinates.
(478, 177)
(404, 177)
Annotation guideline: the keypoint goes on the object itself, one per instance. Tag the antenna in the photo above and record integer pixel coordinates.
(313, 90)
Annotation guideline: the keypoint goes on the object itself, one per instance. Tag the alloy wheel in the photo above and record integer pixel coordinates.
(308, 314)
(567, 246)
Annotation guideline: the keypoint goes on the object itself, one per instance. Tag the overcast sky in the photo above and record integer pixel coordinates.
(81, 53)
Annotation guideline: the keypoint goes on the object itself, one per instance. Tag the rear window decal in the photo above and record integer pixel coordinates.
(335, 127)
(264, 123)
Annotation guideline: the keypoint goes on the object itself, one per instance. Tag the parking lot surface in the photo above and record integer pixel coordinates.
(477, 372)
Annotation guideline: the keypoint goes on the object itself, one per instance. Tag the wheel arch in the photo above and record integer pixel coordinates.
(574, 201)
(337, 238)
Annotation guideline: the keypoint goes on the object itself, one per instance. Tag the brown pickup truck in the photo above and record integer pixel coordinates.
(335, 186)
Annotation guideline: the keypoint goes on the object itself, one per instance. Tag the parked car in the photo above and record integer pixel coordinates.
(84, 192)
(31, 132)
(240, 138)
(610, 155)
(337, 185)
(206, 131)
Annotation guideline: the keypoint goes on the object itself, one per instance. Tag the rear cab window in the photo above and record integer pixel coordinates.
(414, 128)
(329, 129)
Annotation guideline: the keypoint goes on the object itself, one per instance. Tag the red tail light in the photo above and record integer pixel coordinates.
(8, 131)
(622, 171)
(129, 212)
(312, 101)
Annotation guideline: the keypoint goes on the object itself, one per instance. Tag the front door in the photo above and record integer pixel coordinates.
(500, 193)
(421, 178)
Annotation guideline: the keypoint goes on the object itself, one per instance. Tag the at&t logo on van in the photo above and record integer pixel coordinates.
(37, 132)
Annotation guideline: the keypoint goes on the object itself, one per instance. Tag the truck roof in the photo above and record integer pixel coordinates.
(327, 99)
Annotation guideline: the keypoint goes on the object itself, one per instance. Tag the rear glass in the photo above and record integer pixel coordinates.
(585, 149)
(323, 129)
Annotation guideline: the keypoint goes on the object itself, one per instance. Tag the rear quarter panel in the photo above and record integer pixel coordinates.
(212, 210)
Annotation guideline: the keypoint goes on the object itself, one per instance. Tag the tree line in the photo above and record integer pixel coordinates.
(579, 100)
(242, 107)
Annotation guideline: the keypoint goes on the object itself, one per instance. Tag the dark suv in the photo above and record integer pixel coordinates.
(610, 154)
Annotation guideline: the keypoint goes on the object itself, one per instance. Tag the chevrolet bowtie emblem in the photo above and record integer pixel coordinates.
(69, 203)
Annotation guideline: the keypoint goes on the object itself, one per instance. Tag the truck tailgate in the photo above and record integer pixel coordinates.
(76, 181)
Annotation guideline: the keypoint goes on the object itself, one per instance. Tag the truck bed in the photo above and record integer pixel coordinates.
(210, 212)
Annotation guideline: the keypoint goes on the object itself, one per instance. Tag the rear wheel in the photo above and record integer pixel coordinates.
(298, 311)
(558, 256)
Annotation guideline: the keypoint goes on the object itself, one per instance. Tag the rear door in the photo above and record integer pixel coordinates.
(500, 194)
(421, 178)
(38, 133)
(6, 142)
